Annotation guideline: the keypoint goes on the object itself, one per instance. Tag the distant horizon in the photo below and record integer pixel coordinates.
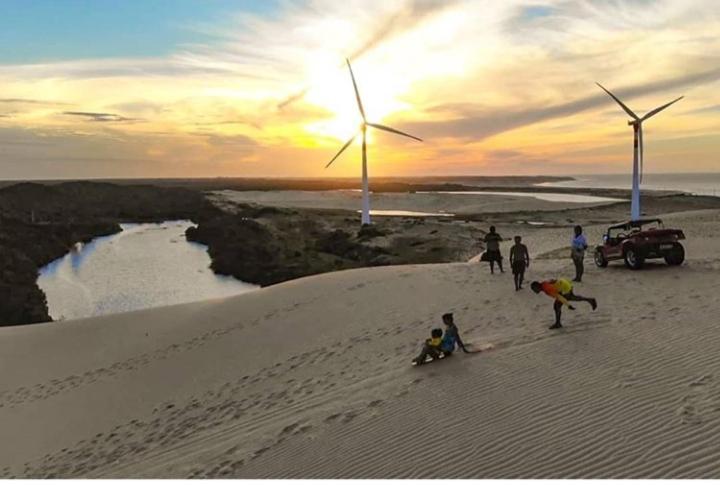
(405, 177)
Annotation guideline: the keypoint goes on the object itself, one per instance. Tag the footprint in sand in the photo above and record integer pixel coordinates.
(289, 429)
(332, 417)
(349, 416)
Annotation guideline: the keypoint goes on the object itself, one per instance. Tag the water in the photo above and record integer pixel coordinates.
(575, 198)
(144, 266)
(692, 183)
(401, 213)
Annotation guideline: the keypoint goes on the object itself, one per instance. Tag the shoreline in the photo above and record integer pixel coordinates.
(39, 224)
(262, 244)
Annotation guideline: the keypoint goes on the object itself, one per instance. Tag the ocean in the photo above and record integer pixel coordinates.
(693, 183)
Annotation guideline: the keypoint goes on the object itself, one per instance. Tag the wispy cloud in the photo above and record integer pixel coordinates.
(20, 101)
(99, 117)
(473, 122)
(406, 17)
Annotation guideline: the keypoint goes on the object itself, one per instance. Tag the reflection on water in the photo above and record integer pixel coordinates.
(146, 265)
(397, 213)
(551, 197)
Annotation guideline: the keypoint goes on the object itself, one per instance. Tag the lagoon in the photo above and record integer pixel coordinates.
(144, 266)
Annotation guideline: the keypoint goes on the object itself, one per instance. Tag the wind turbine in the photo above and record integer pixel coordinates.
(363, 129)
(636, 123)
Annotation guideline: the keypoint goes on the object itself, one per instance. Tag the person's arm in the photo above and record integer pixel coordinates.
(556, 295)
(512, 256)
(562, 300)
(527, 256)
(459, 341)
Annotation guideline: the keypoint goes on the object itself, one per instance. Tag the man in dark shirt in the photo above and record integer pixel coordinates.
(492, 250)
(519, 261)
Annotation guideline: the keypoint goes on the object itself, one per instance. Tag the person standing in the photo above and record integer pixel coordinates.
(519, 261)
(577, 252)
(561, 290)
(492, 249)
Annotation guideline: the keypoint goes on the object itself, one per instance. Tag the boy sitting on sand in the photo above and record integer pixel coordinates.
(451, 337)
(440, 344)
(431, 348)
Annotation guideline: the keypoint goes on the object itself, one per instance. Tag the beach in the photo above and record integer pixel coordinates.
(311, 378)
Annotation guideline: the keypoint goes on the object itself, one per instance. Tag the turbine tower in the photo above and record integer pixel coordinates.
(363, 129)
(636, 123)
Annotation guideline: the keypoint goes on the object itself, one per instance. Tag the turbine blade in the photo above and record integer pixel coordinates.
(392, 130)
(657, 110)
(347, 144)
(357, 93)
(627, 110)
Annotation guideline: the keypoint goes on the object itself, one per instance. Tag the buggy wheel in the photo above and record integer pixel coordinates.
(676, 256)
(600, 260)
(633, 258)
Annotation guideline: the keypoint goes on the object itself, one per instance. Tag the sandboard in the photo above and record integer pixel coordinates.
(471, 349)
(427, 361)
(475, 348)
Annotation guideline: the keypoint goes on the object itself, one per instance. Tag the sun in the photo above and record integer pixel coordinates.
(332, 90)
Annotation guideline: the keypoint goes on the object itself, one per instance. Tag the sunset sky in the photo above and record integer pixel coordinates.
(186, 88)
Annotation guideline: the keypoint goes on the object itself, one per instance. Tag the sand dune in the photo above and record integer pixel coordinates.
(311, 378)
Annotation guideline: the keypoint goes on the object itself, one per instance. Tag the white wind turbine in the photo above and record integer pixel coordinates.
(363, 128)
(636, 123)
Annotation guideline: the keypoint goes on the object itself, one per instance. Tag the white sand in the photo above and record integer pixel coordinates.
(311, 378)
(424, 202)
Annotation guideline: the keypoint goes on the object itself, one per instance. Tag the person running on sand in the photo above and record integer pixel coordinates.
(562, 291)
(577, 252)
(519, 261)
(431, 348)
(451, 338)
(492, 250)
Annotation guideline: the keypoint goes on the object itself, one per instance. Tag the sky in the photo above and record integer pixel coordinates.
(237, 88)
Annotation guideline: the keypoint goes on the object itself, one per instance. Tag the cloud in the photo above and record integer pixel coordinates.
(409, 15)
(239, 141)
(100, 117)
(31, 101)
(475, 123)
(450, 72)
(402, 20)
(706, 110)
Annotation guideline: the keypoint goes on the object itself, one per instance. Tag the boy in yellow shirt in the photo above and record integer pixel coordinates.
(431, 348)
